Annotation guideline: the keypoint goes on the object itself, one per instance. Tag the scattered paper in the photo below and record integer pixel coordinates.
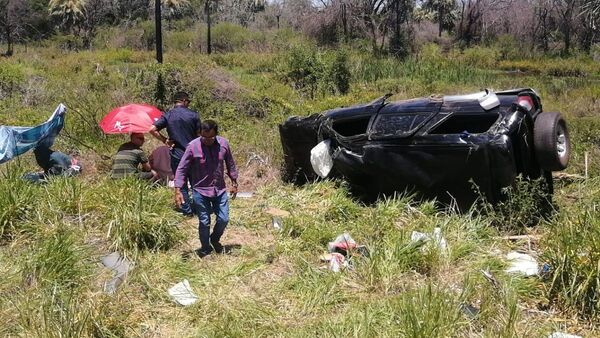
(437, 238)
(277, 223)
(121, 266)
(182, 293)
(563, 335)
(522, 263)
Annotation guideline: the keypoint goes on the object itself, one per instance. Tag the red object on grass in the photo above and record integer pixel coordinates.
(132, 118)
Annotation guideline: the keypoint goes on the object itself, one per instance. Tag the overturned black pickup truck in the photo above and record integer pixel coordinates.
(452, 148)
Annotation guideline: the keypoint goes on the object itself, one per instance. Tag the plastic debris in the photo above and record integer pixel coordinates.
(182, 293)
(320, 158)
(337, 261)
(490, 278)
(522, 263)
(342, 244)
(121, 266)
(563, 335)
(437, 238)
(245, 194)
(469, 310)
(277, 223)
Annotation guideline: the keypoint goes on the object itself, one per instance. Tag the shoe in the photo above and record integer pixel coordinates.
(203, 253)
(218, 247)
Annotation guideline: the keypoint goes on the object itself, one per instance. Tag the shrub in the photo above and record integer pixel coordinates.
(572, 248)
(400, 46)
(480, 57)
(138, 218)
(17, 199)
(58, 260)
(180, 41)
(228, 37)
(68, 42)
(507, 46)
(12, 77)
(524, 204)
(304, 68)
(339, 72)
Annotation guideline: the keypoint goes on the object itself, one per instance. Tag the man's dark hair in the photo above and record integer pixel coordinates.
(208, 125)
(181, 96)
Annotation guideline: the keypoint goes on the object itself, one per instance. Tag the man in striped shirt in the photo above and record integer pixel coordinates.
(203, 163)
(130, 157)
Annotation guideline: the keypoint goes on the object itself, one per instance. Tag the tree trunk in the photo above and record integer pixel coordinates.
(440, 19)
(344, 22)
(208, 35)
(158, 25)
(9, 45)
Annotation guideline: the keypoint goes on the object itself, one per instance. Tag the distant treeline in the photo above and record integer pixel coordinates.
(391, 27)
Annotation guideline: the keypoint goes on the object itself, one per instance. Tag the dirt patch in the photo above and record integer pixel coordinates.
(225, 87)
(234, 235)
(255, 174)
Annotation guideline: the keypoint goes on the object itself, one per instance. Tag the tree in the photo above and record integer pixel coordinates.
(11, 21)
(444, 13)
(566, 11)
(471, 23)
(71, 12)
(401, 13)
(173, 8)
(95, 12)
(590, 24)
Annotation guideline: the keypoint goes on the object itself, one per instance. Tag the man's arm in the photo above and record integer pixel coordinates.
(181, 175)
(231, 170)
(145, 163)
(159, 125)
(154, 132)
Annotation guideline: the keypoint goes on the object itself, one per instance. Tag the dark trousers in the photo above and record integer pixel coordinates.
(186, 207)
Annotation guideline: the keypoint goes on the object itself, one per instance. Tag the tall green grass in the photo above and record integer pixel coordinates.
(572, 249)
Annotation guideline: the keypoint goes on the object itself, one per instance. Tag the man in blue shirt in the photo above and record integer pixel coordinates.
(183, 125)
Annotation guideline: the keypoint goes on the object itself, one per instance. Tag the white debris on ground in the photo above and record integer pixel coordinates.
(182, 293)
(437, 238)
(563, 335)
(121, 266)
(521, 263)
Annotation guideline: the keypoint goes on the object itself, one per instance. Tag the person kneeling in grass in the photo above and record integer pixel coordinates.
(130, 157)
(203, 164)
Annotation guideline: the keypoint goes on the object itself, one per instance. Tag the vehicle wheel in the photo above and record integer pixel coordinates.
(551, 141)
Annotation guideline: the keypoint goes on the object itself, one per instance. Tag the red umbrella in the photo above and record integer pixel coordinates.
(132, 118)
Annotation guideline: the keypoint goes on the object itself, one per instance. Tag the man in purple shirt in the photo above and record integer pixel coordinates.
(203, 164)
(183, 126)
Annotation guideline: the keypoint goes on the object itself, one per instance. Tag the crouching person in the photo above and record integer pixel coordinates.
(131, 160)
(203, 164)
(53, 163)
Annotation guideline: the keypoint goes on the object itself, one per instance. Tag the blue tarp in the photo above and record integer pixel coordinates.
(15, 141)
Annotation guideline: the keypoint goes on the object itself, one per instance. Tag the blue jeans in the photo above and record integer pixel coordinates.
(205, 206)
(186, 207)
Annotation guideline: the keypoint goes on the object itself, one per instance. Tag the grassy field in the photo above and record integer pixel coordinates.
(273, 284)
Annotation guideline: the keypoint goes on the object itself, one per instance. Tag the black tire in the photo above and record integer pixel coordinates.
(551, 141)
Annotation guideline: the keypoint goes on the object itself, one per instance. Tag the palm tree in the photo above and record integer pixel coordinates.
(593, 7)
(71, 11)
(173, 6)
